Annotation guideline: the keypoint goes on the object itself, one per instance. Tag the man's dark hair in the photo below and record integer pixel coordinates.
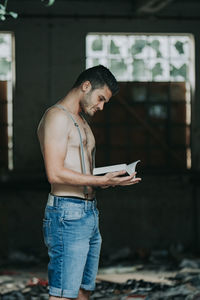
(98, 77)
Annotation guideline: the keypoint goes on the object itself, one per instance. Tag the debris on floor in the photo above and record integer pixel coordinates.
(139, 282)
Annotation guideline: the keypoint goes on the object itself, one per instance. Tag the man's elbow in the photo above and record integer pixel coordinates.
(53, 178)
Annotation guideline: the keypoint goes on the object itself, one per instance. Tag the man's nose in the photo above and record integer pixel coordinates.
(101, 105)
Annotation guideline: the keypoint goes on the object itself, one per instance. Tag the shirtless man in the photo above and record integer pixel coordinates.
(70, 225)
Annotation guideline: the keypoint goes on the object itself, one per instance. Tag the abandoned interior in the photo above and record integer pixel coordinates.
(151, 231)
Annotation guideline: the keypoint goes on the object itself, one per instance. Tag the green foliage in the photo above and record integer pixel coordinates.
(4, 12)
(48, 2)
(13, 14)
(157, 70)
(182, 71)
(155, 44)
(138, 69)
(4, 66)
(97, 44)
(179, 47)
(138, 47)
(2, 40)
(118, 67)
(113, 48)
(95, 62)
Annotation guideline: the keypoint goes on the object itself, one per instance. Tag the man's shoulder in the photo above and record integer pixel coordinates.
(55, 114)
(54, 118)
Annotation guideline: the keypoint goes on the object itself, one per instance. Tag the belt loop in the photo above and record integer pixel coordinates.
(86, 205)
(55, 201)
(50, 201)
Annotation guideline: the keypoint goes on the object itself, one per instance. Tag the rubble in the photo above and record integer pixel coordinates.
(139, 281)
(189, 263)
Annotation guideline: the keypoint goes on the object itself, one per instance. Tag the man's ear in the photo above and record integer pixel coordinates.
(86, 86)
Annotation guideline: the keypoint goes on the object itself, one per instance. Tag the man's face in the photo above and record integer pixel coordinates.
(94, 100)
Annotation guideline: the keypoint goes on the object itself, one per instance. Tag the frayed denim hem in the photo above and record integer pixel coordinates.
(63, 293)
(88, 287)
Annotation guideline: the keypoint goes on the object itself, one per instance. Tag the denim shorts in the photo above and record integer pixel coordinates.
(71, 234)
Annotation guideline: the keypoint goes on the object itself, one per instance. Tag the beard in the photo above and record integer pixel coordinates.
(86, 104)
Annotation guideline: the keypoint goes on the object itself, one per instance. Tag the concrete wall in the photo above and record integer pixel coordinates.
(50, 53)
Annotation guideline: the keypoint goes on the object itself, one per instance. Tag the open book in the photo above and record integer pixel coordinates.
(121, 167)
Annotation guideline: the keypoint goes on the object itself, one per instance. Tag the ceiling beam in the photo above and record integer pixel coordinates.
(150, 6)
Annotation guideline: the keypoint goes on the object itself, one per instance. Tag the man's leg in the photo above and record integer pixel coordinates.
(69, 243)
(69, 246)
(92, 262)
(83, 295)
(59, 298)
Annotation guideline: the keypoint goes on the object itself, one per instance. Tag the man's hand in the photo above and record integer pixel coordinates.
(114, 179)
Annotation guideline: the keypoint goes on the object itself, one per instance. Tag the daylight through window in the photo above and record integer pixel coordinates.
(6, 97)
(155, 74)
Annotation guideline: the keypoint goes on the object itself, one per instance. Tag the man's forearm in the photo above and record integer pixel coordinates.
(67, 176)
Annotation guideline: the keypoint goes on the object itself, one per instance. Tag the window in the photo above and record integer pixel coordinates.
(150, 119)
(6, 96)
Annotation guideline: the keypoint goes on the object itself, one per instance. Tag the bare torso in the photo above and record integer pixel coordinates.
(73, 154)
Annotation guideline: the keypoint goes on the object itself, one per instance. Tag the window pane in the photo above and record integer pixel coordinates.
(6, 95)
(141, 57)
(153, 71)
(178, 70)
(158, 46)
(138, 47)
(5, 46)
(179, 47)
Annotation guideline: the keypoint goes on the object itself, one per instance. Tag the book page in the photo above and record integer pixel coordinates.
(131, 167)
(108, 169)
(114, 168)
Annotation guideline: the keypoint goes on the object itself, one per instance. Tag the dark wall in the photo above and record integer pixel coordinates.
(50, 53)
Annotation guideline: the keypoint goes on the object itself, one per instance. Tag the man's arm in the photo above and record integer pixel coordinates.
(53, 135)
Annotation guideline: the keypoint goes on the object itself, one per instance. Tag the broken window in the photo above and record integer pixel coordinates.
(6, 97)
(150, 117)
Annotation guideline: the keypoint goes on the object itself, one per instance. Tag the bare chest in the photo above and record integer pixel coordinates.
(87, 136)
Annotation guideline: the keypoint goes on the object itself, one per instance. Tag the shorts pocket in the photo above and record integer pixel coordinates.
(73, 214)
(46, 231)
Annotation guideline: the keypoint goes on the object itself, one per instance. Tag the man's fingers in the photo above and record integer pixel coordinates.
(118, 173)
(128, 178)
(115, 179)
(133, 174)
(131, 182)
(138, 179)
